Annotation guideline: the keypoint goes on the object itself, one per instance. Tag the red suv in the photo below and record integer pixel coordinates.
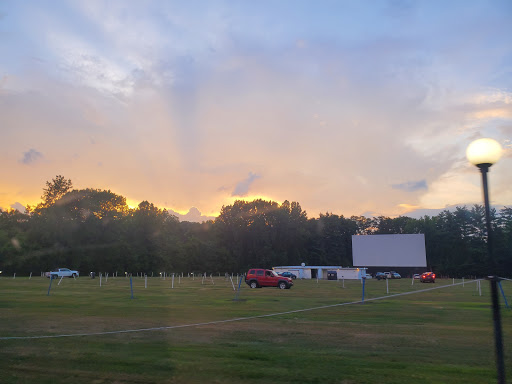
(257, 278)
(428, 277)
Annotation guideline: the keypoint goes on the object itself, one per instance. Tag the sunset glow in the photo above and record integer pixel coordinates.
(354, 108)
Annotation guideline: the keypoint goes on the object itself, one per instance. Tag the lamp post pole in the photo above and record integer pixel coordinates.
(484, 153)
(493, 279)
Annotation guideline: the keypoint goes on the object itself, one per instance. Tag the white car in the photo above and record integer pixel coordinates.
(62, 272)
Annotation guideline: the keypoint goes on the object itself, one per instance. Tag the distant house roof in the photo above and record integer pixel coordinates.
(316, 267)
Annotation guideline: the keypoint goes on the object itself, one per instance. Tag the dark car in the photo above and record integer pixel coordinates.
(288, 274)
(428, 277)
(380, 276)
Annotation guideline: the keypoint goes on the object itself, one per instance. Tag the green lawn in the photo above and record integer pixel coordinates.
(439, 336)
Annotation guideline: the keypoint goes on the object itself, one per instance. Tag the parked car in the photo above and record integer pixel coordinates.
(416, 276)
(259, 277)
(388, 275)
(368, 276)
(428, 277)
(288, 274)
(62, 272)
(380, 276)
(395, 275)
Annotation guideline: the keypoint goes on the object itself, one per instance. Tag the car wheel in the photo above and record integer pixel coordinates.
(253, 284)
(282, 285)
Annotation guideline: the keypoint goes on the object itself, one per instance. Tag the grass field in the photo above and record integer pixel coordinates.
(438, 336)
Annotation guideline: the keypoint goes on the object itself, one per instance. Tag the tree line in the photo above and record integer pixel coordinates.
(95, 230)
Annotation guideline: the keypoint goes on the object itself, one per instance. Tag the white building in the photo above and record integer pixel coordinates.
(323, 272)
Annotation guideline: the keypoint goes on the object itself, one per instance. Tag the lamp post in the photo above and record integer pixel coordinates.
(484, 153)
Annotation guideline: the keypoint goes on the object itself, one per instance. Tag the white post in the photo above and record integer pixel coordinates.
(231, 278)
(412, 280)
(30, 276)
(14, 275)
(202, 280)
(387, 285)
(59, 280)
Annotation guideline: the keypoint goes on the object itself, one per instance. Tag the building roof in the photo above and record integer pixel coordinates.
(316, 267)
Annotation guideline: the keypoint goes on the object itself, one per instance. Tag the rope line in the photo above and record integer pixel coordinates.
(230, 320)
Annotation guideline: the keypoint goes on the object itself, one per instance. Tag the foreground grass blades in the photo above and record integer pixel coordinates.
(436, 336)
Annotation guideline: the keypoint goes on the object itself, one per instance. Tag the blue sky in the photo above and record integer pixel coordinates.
(351, 107)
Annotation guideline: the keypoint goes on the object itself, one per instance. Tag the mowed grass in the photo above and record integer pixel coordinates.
(438, 336)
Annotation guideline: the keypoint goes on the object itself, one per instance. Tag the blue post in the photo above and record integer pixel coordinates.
(238, 292)
(131, 286)
(503, 294)
(363, 289)
(50, 287)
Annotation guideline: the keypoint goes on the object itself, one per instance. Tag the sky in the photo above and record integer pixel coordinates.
(348, 107)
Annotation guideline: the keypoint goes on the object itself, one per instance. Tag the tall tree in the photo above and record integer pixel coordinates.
(55, 189)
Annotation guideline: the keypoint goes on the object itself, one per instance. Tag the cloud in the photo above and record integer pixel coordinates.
(18, 206)
(411, 186)
(242, 188)
(193, 215)
(203, 95)
(31, 156)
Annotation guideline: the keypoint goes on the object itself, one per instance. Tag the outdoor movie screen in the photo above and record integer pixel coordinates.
(389, 251)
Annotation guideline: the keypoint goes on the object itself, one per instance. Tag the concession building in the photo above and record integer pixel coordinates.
(323, 272)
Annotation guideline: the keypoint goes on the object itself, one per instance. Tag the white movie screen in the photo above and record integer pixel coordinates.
(389, 251)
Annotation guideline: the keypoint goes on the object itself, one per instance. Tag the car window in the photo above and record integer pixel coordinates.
(259, 273)
(251, 272)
